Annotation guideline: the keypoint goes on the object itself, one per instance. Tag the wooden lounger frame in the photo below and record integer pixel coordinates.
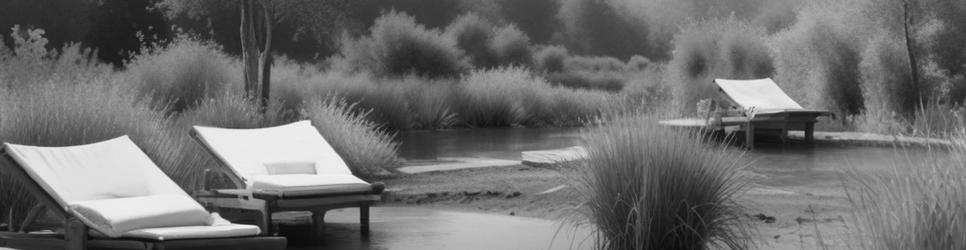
(265, 202)
(783, 121)
(76, 233)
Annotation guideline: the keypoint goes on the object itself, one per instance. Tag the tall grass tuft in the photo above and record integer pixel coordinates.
(917, 205)
(646, 187)
(368, 151)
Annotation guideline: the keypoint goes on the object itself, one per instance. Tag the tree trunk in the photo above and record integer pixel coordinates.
(266, 57)
(257, 59)
(910, 50)
(249, 48)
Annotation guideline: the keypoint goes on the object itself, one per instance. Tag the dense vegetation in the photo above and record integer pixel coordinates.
(361, 70)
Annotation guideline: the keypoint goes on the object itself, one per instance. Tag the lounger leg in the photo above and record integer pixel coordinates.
(31, 216)
(76, 234)
(809, 132)
(265, 220)
(318, 222)
(364, 219)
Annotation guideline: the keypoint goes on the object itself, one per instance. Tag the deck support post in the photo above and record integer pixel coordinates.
(810, 132)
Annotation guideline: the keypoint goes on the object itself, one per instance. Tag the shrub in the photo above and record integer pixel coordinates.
(916, 205)
(551, 58)
(728, 49)
(31, 62)
(182, 74)
(646, 187)
(490, 98)
(609, 81)
(398, 46)
(430, 103)
(513, 96)
(597, 27)
(511, 46)
(838, 81)
(368, 151)
(473, 34)
(886, 85)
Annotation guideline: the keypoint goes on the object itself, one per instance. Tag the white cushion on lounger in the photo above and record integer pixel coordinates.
(113, 186)
(762, 94)
(115, 217)
(247, 151)
(318, 184)
(194, 232)
(115, 168)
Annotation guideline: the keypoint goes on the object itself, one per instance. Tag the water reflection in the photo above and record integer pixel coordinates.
(500, 143)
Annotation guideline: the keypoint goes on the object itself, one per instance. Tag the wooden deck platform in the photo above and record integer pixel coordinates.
(780, 122)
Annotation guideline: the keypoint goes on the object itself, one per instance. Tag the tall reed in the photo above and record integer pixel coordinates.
(646, 187)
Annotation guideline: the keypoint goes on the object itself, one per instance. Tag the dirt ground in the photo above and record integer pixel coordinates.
(808, 217)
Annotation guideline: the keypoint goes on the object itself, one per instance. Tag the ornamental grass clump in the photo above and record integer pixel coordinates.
(647, 187)
(918, 205)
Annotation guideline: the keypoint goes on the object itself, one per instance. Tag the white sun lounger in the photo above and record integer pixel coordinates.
(765, 106)
(111, 193)
(284, 168)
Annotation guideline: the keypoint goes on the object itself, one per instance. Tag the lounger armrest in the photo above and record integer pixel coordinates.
(378, 187)
(224, 193)
(270, 195)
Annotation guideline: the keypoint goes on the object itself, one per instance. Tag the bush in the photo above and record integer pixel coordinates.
(597, 27)
(609, 81)
(886, 85)
(513, 96)
(182, 74)
(473, 34)
(511, 46)
(551, 58)
(368, 151)
(916, 205)
(838, 81)
(728, 49)
(646, 187)
(31, 62)
(398, 46)
(430, 103)
(491, 98)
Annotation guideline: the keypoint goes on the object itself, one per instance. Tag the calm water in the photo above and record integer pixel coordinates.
(783, 165)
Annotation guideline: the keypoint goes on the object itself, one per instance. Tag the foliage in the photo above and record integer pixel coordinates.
(398, 46)
(182, 74)
(473, 35)
(551, 58)
(368, 151)
(646, 187)
(511, 46)
(917, 204)
(703, 51)
(512, 96)
(595, 27)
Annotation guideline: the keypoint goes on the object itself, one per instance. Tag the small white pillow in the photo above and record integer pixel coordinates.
(114, 217)
(282, 168)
